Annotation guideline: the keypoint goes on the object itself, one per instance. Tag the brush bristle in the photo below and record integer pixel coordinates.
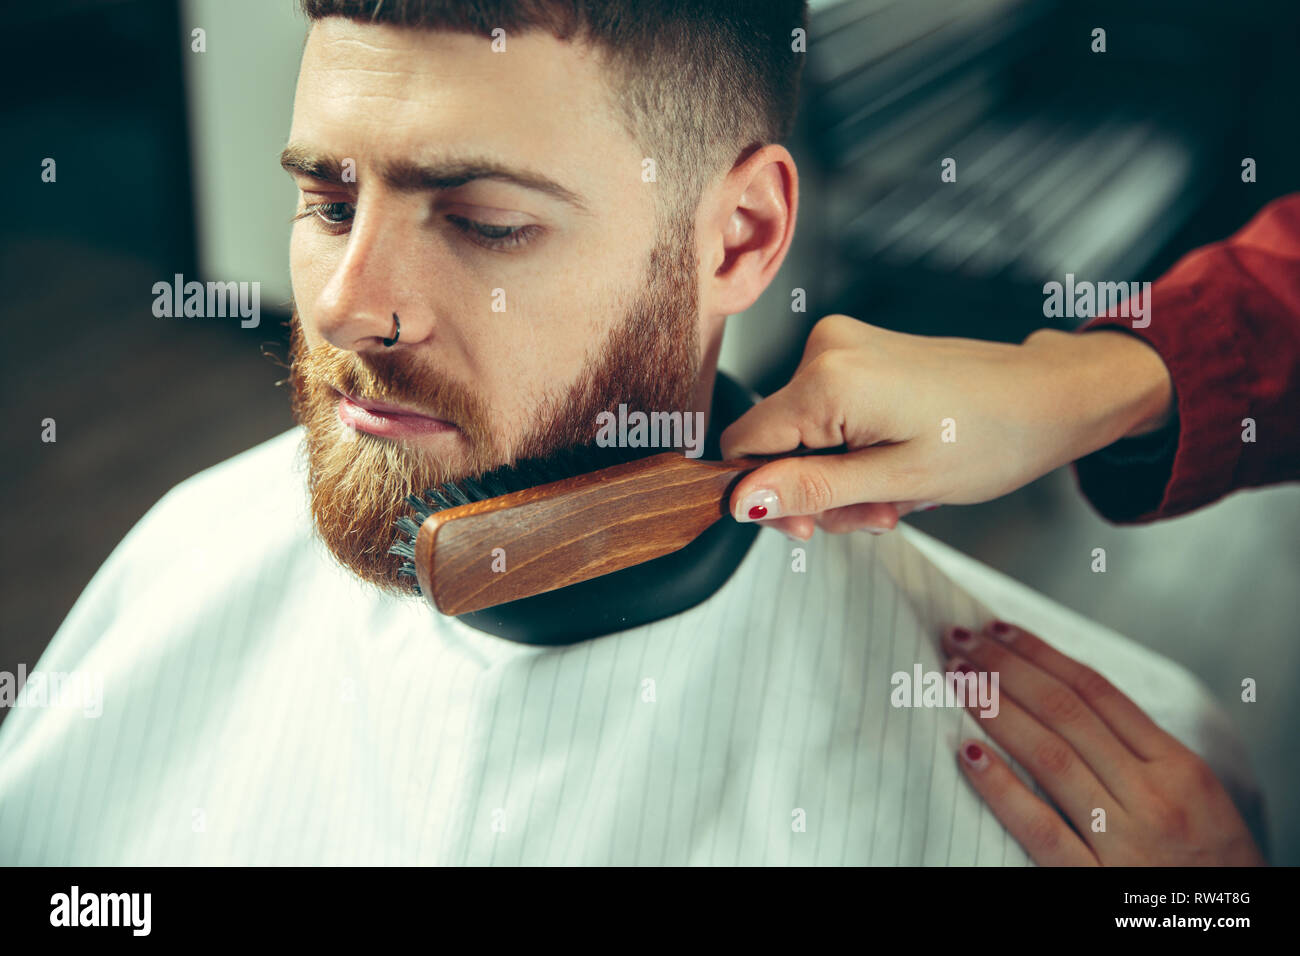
(528, 473)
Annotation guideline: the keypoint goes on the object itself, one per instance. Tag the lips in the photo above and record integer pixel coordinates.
(388, 421)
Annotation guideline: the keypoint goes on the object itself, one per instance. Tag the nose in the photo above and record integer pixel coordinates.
(358, 307)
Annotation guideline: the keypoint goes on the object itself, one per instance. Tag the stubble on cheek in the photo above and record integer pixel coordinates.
(649, 361)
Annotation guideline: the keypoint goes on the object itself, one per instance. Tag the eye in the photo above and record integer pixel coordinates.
(333, 214)
(494, 236)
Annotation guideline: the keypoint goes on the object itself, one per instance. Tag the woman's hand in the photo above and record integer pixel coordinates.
(935, 420)
(1090, 748)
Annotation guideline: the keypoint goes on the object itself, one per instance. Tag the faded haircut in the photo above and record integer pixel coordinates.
(699, 83)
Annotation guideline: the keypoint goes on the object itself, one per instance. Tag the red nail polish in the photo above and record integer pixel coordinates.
(960, 634)
(1001, 628)
(758, 511)
(973, 752)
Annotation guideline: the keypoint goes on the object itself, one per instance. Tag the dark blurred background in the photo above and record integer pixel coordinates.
(1105, 165)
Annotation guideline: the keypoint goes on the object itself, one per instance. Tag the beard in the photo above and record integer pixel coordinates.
(359, 483)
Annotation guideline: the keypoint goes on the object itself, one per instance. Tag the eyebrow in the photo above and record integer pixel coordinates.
(409, 176)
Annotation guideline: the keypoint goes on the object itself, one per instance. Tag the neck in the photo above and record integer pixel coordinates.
(646, 592)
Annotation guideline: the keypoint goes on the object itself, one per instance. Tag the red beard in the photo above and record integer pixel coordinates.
(359, 483)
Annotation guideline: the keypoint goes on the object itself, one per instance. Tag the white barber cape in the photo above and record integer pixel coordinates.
(262, 706)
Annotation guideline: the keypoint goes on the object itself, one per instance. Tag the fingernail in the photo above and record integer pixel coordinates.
(758, 505)
(926, 506)
(975, 756)
(956, 666)
(1002, 630)
(962, 637)
(877, 530)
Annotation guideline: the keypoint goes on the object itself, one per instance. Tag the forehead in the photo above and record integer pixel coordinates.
(381, 92)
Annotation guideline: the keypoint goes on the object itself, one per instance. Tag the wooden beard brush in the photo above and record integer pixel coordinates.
(537, 526)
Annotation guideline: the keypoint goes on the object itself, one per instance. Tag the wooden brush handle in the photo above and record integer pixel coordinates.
(568, 531)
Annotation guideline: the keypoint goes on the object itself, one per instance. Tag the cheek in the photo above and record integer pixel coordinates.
(308, 274)
(300, 270)
(523, 358)
(560, 338)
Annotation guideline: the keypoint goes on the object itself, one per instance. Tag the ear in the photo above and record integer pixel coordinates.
(746, 228)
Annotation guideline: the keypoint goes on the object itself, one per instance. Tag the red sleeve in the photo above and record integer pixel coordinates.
(1226, 321)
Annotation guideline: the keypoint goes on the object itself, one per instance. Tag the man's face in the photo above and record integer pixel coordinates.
(495, 204)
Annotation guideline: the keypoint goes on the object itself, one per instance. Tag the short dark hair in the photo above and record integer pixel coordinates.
(699, 82)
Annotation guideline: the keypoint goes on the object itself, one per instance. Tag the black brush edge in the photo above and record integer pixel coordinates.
(528, 473)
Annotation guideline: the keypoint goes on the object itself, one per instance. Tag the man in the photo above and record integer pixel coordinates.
(509, 222)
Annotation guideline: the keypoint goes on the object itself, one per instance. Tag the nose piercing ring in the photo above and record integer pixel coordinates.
(389, 343)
